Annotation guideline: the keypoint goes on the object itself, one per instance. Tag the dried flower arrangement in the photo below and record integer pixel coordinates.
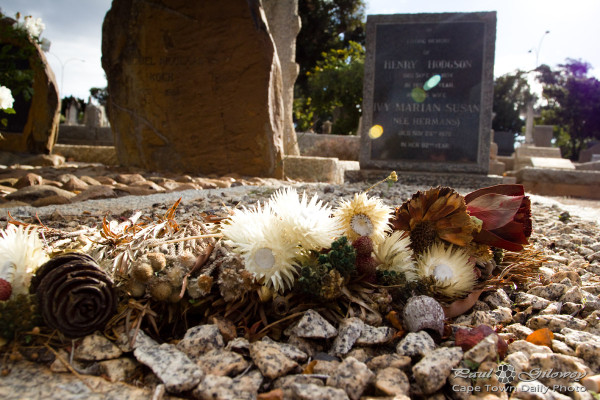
(260, 267)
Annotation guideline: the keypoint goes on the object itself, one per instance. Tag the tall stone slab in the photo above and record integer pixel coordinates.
(194, 86)
(284, 24)
(428, 90)
(36, 128)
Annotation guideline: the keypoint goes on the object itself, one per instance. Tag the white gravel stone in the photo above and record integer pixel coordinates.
(498, 298)
(201, 339)
(352, 376)
(313, 325)
(520, 331)
(118, 369)
(271, 362)
(573, 295)
(556, 322)
(96, 347)
(221, 362)
(171, 365)
(574, 338)
(433, 370)
(372, 335)
(486, 349)
(348, 333)
(415, 344)
(392, 382)
(527, 348)
(536, 390)
(502, 315)
(590, 353)
(309, 391)
(552, 292)
(536, 302)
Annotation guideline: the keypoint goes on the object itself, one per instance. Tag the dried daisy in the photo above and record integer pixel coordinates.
(21, 253)
(448, 269)
(438, 213)
(395, 255)
(308, 222)
(364, 216)
(260, 237)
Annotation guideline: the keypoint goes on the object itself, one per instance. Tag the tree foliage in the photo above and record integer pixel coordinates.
(573, 105)
(329, 50)
(334, 91)
(326, 25)
(100, 94)
(511, 95)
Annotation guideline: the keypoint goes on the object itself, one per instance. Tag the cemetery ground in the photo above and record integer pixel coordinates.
(352, 358)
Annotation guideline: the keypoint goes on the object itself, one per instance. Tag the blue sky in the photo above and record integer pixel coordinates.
(74, 28)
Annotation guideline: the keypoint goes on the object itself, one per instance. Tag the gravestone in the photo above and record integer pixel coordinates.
(195, 86)
(38, 119)
(284, 25)
(506, 142)
(72, 113)
(428, 92)
(542, 135)
(588, 154)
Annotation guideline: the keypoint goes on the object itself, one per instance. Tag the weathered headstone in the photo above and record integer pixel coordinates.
(428, 92)
(542, 135)
(37, 128)
(505, 142)
(94, 116)
(72, 113)
(284, 25)
(195, 86)
(588, 154)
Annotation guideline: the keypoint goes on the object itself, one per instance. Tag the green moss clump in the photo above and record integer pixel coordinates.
(18, 315)
(325, 277)
(341, 257)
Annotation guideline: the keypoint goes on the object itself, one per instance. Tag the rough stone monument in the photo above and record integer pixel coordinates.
(428, 92)
(37, 126)
(194, 86)
(284, 25)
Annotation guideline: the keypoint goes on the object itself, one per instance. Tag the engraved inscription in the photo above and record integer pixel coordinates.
(427, 91)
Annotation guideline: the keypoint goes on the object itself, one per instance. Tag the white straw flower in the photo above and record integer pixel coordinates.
(263, 243)
(394, 254)
(450, 268)
(33, 26)
(6, 98)
(308, 223)
(21, 253)
(364, 216)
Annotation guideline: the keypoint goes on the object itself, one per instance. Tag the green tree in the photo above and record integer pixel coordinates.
(100, 94)
(334, 91)
(511, 95)
(573, 105)
(326, 25)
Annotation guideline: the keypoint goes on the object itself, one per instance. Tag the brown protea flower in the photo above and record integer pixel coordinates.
(438, 213)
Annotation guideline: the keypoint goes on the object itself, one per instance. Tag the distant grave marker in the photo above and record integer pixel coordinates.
(428, 92)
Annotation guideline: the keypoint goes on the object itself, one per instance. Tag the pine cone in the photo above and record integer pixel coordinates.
(75, 295)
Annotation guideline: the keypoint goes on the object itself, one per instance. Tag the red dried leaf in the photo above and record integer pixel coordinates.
(495, 210)
(508, 190)
(468, 338)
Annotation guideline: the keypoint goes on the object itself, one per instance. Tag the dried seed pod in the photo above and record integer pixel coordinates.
(423, 312)
(158, 261)
(136, 289)
(160, 290)
(75, 295)
(141, 271)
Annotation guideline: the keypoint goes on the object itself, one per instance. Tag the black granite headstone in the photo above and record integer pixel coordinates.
(428, 92)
